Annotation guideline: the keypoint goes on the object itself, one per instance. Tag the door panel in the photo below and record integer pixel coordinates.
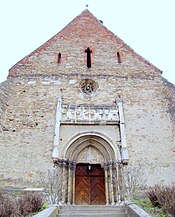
(81, 170)
(82, 190)
(89, 185)
(96, 170)
(97, 191)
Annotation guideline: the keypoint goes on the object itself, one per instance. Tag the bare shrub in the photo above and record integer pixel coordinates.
(26, 204)
(8, 207)
(152, 194)
(52, 183)
(164, 197)
(129, 181)
(134, 180)
(30, 202)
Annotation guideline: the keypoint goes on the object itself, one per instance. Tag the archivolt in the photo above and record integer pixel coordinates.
(102, 144)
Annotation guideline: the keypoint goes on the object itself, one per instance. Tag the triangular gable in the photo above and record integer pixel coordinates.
(81, 27)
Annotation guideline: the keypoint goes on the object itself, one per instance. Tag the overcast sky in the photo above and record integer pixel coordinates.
(147, 26)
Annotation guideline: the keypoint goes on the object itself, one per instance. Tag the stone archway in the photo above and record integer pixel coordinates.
(90, 149)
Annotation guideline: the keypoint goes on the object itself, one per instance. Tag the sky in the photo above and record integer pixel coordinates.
(147, 26)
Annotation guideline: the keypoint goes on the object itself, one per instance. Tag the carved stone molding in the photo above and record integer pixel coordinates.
(89, 114)
(65, 163)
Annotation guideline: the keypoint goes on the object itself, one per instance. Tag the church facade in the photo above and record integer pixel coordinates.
(86, 102)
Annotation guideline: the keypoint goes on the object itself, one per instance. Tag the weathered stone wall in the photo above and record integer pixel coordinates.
(4, 99)
(148, 121)
(30, 117)
(24, 149)
(169, 94)
(27, 139)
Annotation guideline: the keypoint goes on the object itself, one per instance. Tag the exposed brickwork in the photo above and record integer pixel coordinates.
(36, 81)
(84, 31)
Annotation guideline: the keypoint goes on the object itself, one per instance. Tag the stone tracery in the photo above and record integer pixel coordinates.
(88, 86)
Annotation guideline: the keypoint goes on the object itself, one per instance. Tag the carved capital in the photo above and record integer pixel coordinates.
(72, 165)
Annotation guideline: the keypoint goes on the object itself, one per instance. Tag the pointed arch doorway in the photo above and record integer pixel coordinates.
(91, 161)
(89, 184)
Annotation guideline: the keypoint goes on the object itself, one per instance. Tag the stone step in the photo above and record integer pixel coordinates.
(92, 215)
(117, 211)
(92, 207)
(92, 211)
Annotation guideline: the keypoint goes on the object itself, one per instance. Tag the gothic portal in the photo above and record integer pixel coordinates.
(90, 159)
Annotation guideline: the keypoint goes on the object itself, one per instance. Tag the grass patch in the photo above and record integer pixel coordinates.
(148, 207)
(44, 206)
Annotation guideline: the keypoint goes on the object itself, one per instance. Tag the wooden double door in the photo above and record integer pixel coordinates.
(89, 184)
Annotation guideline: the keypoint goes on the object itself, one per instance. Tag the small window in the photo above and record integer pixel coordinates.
(59, 58)
(88, 51)
(119, 58)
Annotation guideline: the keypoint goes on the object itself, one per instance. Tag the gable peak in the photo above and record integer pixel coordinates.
(84, 28)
